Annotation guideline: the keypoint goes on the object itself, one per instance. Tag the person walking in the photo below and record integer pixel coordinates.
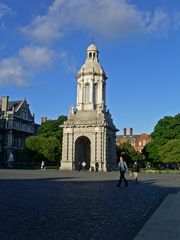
(42, 165)
(79, 166)
(135, 171)
(97, 166)
(83, 165)
(122, 168)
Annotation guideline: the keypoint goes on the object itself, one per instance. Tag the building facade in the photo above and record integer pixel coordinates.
(137, 141)
(89, 134)
(16, 123)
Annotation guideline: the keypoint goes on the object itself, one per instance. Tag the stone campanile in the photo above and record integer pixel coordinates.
(89, 134)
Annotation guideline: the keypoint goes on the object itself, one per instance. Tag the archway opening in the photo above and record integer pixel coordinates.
(82, 153)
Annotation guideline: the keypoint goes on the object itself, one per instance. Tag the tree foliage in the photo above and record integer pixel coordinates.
(165, 132)
(170, 152)
(39, 148)
(166, 129)
(47, 145)
(51, 128)
(129, 152)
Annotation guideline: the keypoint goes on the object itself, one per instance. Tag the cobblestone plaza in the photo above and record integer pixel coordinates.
(77, 205)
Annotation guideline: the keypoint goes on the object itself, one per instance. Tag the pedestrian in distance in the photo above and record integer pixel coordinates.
(135, 172)
(97, 166)
(83, 165)
(58, 166)
(42, 165)
(122, 168)
(79, 166)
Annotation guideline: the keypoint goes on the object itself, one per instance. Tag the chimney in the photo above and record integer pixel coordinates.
(124, 132)
(131, 132)
(43, 119)
(5, 103)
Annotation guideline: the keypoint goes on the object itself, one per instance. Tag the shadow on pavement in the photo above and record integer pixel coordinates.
(78, 206)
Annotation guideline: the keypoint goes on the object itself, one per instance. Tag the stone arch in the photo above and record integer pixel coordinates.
(82, 152)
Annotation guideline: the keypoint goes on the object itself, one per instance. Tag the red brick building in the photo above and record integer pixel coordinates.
(137, 141)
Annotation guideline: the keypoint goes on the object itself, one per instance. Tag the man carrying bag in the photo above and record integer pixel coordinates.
(122, 168)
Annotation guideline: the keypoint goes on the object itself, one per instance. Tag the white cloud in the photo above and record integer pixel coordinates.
(4, 10)
(159, 22)
(105, 18)
(15, 71)
(37, 57)
(12, 73)
(68, 62)
(110, 19)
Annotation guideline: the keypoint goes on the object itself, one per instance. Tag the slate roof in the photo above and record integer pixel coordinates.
(12, 104)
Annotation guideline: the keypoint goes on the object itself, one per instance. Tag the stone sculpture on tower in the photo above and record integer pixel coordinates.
(89, 134)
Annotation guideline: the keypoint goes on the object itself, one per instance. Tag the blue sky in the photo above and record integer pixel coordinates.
(43, 45)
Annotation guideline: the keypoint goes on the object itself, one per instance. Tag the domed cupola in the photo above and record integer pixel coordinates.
(92, 53)
(91, 83)
(91, 65)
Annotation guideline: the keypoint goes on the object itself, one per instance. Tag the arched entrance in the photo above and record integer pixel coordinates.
(82, 152)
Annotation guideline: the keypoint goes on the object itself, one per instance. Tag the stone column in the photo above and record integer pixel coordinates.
(91, 100)
(70, 154)
(64, 147)
(78, 93)
(105, 151)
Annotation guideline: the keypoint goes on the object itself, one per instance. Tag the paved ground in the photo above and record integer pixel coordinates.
(52, 205)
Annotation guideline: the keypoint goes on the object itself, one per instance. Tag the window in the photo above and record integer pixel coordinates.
(87, 93)
(95, 93)
(24, 114)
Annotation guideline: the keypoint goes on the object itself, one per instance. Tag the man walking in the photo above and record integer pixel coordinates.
(122, 168)
(135, 171)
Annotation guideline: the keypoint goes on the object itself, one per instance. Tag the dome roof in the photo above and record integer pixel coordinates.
(91, 67)
(92, 47)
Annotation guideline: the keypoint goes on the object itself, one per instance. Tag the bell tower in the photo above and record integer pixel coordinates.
(90, 124)
(91, 83)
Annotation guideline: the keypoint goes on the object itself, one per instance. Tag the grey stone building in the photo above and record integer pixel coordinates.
(89, 134)
(16, 123)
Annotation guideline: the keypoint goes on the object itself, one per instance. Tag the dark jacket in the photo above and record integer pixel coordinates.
(135, 168)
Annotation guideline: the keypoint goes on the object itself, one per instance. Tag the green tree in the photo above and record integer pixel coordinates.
(151, 152)
(166, 130)
(170, 152)
(130, 153)
(40, 148)
(48, 144)
(51, 128)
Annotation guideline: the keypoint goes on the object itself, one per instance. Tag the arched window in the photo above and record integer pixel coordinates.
(94, 55)
(79, 93)
(95, 93)
(90, 55)
(87, 94)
